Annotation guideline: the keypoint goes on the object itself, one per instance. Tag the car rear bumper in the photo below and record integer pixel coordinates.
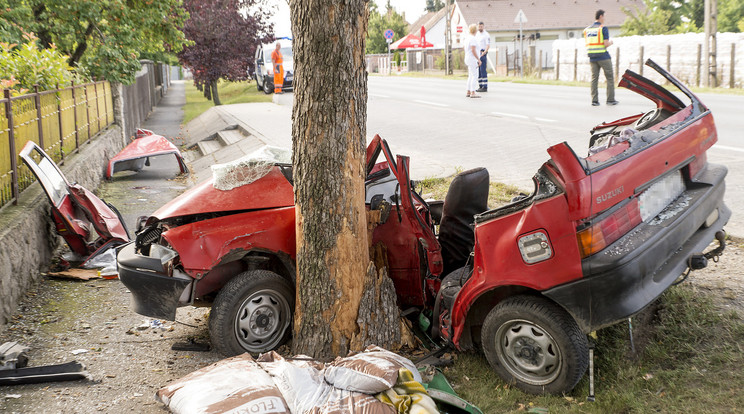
(632, 272)
(154, 293)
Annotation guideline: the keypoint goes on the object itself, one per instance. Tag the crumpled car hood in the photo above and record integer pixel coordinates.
(271, 191)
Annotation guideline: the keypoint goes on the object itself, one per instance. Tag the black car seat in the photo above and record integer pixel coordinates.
(466, 197)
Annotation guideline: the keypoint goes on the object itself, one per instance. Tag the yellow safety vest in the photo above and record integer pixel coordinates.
(594, 40)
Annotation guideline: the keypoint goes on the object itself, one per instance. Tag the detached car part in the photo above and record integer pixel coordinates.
(137, 154)
(50, 373)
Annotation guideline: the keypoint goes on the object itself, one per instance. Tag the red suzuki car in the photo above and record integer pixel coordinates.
(601, 237)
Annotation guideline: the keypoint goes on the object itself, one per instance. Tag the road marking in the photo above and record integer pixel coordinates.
(545, 120)
(727, 148)
(378, 96)
(510, 115)
(430, 103)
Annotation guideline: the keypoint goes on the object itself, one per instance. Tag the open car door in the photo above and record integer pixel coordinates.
(88, 224)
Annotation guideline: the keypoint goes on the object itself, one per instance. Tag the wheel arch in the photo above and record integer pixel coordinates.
(476, 314)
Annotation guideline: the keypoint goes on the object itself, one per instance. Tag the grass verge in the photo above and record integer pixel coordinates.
(688, 360)
(436, 188)
(230, 93)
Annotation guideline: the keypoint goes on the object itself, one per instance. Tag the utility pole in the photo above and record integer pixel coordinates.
(710, 47)
(448, 39)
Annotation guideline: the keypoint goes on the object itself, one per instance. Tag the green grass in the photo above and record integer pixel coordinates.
(230, 93)
(498, 194)
(688, 360)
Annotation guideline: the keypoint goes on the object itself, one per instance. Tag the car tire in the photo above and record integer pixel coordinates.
(535, 345)
(258, 86)
(268, 88)
(252, 313)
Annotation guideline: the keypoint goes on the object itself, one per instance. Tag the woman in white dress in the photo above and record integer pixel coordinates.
(472, 61)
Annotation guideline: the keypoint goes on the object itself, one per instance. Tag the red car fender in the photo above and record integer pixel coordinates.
(498, 261)
(146, 144)
(203, 245)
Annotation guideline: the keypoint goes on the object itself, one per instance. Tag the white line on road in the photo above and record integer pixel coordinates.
(545, 120)
(727, 148)
(510, 115)
(430, 103)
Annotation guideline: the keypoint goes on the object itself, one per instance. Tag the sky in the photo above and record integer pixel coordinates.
(282, 27)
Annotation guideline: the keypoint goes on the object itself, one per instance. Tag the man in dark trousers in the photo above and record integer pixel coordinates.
(484, 43)
(597, 39)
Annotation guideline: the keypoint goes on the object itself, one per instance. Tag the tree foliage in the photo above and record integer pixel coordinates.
(225, 34)
(671, 16)
(378, 23)
(23, 66)
(105, 37)
(434, 5)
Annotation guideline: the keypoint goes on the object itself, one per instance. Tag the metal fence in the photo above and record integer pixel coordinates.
(58, 120)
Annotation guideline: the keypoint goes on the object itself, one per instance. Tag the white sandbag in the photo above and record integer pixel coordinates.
(372, 371)
(234, 385)
(301, 383)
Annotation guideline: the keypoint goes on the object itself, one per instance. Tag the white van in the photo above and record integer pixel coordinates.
(264, 72)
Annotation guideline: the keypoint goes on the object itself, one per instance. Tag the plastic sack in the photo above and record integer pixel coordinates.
(250, 168)
(234, 385)
(301, 383)
(372, 371)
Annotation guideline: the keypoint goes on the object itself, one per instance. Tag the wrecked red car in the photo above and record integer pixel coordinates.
(600, 238)
(89, 225)
(137, 154)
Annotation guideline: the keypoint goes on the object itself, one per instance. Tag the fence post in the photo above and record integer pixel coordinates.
(87, 111)
(617, 63)
(558, 65)
(576, 59)
(37, 100)
(11, 145)
(98, 108)
(699, 57)
(61, 132)
(669, 61)
(640, 71)
(539, 69)
(74, 115)
(733, 63)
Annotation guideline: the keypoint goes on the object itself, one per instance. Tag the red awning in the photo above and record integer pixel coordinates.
(409, 41)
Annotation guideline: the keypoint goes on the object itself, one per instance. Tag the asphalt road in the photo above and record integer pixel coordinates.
(509, 129)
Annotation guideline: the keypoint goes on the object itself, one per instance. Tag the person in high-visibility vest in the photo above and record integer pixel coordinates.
(277, 60)
(597, 39)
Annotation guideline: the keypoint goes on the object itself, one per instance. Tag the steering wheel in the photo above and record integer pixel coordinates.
(648, 119)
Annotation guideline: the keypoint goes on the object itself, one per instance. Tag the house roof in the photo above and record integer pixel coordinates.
(428, 20)
(498, 15)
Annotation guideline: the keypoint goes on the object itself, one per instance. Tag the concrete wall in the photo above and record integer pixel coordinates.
(27, 234)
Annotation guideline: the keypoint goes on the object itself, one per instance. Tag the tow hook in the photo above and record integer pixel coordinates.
(700, 260)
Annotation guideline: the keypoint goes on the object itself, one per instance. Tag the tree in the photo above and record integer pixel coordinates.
(378, 23)
(328, 139)
(104, 37)
(225, 34)
(434, 5)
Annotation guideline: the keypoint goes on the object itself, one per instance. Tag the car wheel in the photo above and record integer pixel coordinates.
(534, 344)
(268, 88)
(252, 313)
(258, 86)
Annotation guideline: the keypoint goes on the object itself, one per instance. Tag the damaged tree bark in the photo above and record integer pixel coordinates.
(334, 272)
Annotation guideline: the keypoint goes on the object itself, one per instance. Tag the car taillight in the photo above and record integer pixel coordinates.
(605, 230)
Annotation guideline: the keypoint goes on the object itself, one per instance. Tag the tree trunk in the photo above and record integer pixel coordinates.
(328, 139)
(215, 94)
(82, 45)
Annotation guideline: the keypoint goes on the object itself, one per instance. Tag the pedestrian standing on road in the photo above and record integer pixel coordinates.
(278, 60)
(597, 39)
(484, 43)
(472, 61)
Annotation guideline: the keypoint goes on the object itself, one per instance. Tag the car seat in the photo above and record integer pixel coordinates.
(466, 197)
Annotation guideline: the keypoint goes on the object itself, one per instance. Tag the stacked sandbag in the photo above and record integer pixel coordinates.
(231, 386)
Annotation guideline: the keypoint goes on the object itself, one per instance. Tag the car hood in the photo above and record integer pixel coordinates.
(273, 190)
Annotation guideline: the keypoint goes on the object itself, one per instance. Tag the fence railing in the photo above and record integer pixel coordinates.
(58, 120)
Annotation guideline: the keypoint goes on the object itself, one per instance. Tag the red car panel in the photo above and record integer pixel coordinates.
(145, 145)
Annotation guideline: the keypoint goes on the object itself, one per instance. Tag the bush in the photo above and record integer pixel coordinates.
(23, 66)
(458, 60)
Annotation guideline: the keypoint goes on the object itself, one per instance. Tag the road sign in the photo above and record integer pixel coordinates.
(389, 34)
(389, 40)
(521, 18)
